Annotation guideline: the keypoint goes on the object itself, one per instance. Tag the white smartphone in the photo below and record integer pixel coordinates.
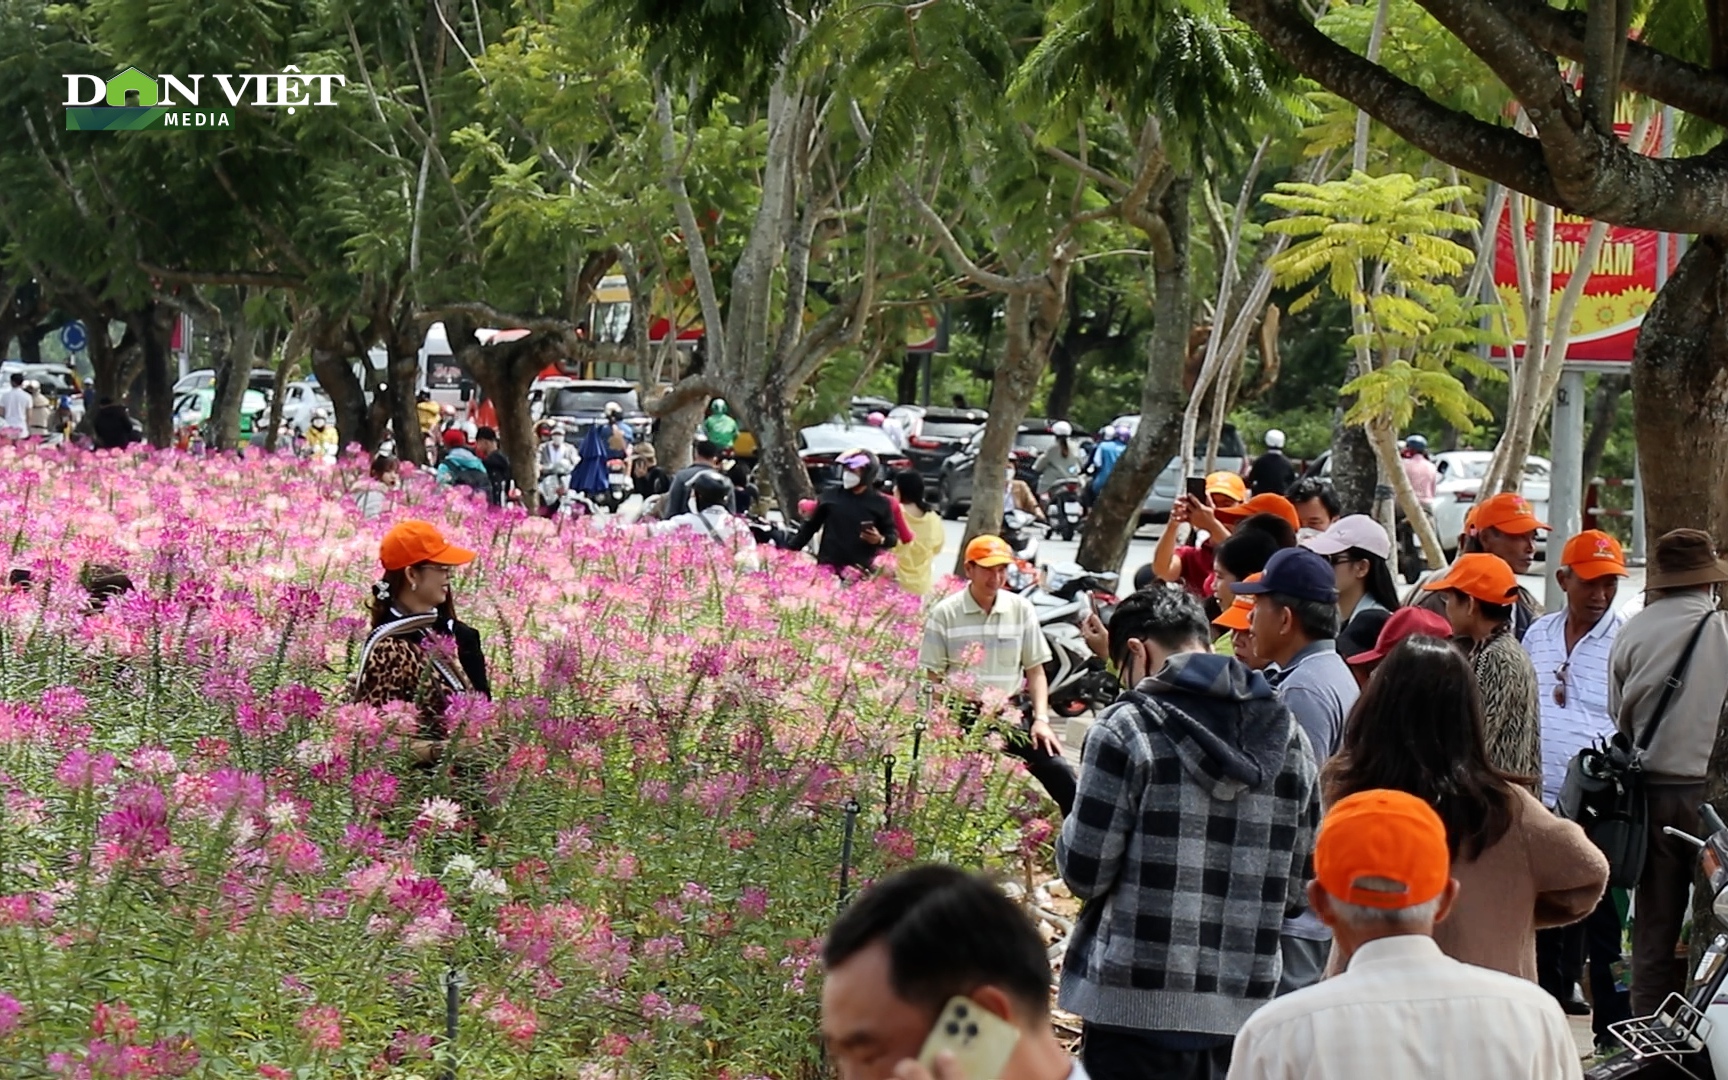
(980, 1041)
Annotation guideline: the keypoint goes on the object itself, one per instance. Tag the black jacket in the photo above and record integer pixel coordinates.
(1271, 474)
(841, 516)
(113, 427)
(498, 473)
(470, 655)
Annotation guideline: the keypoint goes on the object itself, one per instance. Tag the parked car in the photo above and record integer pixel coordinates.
(862, 407)
(1231, 457)
(821, 445)
(195, 408)
(1460, 486)
(934, 434)
(581, 403)
(262, 380)
(955, 484)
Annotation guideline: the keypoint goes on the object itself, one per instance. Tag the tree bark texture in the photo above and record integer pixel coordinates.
(154, 323)
(233, 368)
(1680, 396)
(1116, 514)
(1604, 410)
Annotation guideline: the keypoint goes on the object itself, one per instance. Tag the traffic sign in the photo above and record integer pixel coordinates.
(73, 337)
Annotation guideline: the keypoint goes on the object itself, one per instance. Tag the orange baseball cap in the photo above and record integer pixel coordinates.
(1509, 512)
(989, 551)
(1391, 836)
(1228, 484)
(1593, 554)
(1484, 576)
(415, 542)
(1236, 616)
(1261, 504)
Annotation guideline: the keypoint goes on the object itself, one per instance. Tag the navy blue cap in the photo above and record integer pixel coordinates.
(1295, 572)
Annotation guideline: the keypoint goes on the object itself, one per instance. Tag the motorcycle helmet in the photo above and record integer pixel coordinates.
(614, 410)
(1416, 444)
(320, 418)
(862, 462)
(1121, 434)
(1062, 429)
(876, 419)
(545, 427)
(1274, 439)
(717, 407)
(709, 488)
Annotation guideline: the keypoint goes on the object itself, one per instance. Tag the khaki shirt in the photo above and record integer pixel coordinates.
(994, 647)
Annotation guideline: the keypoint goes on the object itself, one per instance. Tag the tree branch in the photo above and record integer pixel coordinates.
(1023, 285)
(262, 279)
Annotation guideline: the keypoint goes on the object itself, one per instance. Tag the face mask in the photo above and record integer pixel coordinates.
(850, 480)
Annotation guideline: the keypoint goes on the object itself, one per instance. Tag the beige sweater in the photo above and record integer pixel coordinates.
(1645, 652)
(1542, 873)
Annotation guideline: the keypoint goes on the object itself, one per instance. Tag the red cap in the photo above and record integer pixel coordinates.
(1261, 504)
(455, 437)
(415, 542)
(1405, 622)
(1593, 554)
(1382, 849)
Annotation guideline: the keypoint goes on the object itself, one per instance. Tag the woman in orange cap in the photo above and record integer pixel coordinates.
(410, 604)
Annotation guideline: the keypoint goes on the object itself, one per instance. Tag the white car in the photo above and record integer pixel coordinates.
(1461, 473)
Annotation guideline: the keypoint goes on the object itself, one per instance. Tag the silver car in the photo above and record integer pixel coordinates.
(1232, 457)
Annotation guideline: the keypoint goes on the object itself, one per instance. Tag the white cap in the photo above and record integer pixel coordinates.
(1274, 439)
(1354, 531)
(1061, 429)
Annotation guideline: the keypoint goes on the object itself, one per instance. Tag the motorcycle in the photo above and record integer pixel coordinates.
(1021, 531)
(1062, 506)
(1688, 1033)
(1078, 679)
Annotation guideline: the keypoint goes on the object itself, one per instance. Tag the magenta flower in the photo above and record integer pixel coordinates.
(322, 1026)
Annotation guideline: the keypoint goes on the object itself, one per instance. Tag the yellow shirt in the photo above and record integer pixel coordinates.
(916, 559)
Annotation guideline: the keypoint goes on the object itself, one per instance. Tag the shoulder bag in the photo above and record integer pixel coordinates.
(1604, 787)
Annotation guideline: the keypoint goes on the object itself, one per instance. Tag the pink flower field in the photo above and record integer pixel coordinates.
(212, 865)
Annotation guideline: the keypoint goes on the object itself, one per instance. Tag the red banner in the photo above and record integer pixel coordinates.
(1623, 280)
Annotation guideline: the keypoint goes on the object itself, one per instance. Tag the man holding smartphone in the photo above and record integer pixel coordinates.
(910, 945)
(1191, 563)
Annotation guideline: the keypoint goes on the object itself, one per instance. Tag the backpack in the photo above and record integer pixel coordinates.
(469, 477)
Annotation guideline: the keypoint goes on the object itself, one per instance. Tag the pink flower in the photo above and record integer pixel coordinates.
(322, 1026)
(753, 902)
(81, 769)
(138, 824)
(440, 813)
(10, 1010)
(518, 1023)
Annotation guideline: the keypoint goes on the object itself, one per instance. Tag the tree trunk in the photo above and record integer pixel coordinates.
(30, 343)
(1604, 410)
(1355, 471)
(154, 322)
(401, 374)
(332, 362)
(1116, 514)
(1064, 374)
(779, 468)
(906, 386)
(233, 370)
(273, 426)
(1680, 397)
(505, 372)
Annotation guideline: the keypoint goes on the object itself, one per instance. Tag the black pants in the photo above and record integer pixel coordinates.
(1118, 1054)
(1052, 771)
(1662, 893)
(1560, 955)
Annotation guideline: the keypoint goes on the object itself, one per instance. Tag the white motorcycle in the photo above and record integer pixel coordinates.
(1079, 680)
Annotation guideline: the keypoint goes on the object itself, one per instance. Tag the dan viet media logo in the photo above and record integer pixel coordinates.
(134, 101)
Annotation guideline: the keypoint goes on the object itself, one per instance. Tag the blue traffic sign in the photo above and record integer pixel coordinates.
(73, 337)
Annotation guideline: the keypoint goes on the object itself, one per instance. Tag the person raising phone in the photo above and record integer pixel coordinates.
(1191, 563)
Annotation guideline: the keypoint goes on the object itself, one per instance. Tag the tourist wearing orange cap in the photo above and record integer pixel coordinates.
(1480, 594)
(1237, 625)
(1384, 883)
(1571, 650)
(990, 635)
(411, 604)
(1504, 526)
(1191, 563)
(1261, 504)
(1419, 728)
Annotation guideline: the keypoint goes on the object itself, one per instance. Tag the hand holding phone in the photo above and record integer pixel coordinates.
(1196, 488)
(980, 1041)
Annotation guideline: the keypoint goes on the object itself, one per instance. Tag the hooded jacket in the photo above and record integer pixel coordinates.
(1191, 839)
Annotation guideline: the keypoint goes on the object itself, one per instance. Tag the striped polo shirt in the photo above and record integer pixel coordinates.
(995, 647)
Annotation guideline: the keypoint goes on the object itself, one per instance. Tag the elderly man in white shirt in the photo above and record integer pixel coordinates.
(1571, 650)
(1383, 878)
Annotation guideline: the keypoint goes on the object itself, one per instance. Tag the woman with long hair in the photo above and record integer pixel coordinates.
(915, 558)
(1418, 729)
(1357, 547)
(411, 607)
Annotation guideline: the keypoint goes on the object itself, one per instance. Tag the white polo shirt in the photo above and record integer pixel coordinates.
(1568, 728)
(995, 647)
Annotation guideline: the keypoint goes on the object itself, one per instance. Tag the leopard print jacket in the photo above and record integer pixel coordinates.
(396, 664)
(1507, 683)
